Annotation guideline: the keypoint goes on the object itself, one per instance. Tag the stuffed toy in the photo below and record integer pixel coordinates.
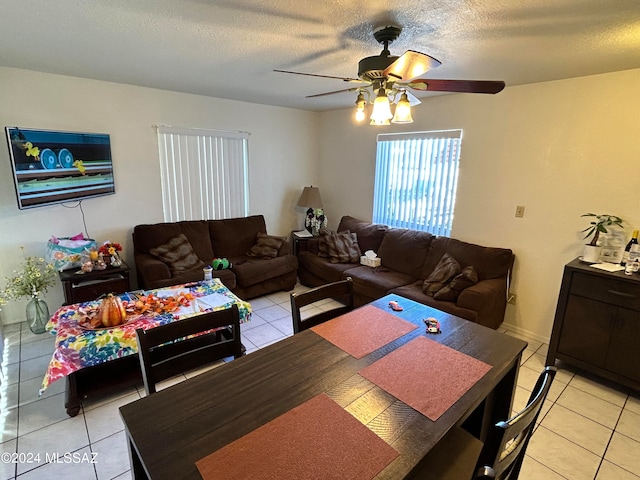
(220, 264)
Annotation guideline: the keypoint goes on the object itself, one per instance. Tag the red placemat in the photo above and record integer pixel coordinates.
(317, 439)
(364, 330)
(426, 375)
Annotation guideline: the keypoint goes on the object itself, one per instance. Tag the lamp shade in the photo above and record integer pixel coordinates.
(310, 198)
(381, 113)
(403, 110)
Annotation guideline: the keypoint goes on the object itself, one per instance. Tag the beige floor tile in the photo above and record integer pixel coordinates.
(562, 456)
(590, 406)
(543, 350)
(633, 403)
(578, 429)
(629, 424)
(527, 377)
(599, 389)
(534, 470)
(624, 452)
(537, 363)
(64, 471)
(533, 344)
(609, 471)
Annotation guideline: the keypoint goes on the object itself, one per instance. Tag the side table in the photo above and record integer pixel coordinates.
(298, 243)
(82, 287)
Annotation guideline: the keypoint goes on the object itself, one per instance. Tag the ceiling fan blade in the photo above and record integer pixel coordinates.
(353, 89)
(410, 65)
(344, 79)
(460, 86)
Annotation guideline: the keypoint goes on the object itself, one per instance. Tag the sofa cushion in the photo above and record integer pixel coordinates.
(444, 272)
(266, 246)
(178, 254)
(463, 280)
(342, 247)
(370, 235)
(234, 237)
(404, 250)
(148, 236)
(375, 282)
(489, 262)
(322, 267)
(414, 292)
(252, 271)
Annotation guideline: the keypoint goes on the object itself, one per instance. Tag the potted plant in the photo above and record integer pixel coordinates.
(598, 225)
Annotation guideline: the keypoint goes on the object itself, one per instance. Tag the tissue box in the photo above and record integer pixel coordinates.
(369, 262)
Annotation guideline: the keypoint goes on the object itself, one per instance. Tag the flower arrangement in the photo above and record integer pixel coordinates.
(315, 220)
(109, 248)
(34, 277)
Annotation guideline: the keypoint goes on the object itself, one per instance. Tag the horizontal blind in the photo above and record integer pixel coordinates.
(204, 173)
(416, 180)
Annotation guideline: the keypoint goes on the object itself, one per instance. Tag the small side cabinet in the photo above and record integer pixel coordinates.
(597, 323)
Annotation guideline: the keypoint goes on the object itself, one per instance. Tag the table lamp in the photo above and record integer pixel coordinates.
(315, 218)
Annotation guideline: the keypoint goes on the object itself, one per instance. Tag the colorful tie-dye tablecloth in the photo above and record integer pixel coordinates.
(77, 347)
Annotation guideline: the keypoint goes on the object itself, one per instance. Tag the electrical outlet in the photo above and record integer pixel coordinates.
(511, 299)
(520, 211)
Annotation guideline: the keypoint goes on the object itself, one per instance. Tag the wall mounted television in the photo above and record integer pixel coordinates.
(54, 167)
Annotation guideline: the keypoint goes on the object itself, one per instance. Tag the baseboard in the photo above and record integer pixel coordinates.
(522, 331)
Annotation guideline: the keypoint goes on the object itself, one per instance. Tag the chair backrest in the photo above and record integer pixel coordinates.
(341, 291)
(506, 443)
(170, 349)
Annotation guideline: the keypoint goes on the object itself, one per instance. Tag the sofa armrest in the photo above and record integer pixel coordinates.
(285, 248)
(488, 298)
(150, 268)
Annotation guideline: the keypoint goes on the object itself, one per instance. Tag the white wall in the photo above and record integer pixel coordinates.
(283, 150)
(560, 148)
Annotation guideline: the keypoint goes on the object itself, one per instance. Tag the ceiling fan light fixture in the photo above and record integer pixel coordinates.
(360, 103)
(381, 113)
(403, 110)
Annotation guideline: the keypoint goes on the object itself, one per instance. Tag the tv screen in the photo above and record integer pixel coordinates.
(54, 167)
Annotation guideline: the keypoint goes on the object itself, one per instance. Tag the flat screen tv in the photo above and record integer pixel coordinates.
(55, 167)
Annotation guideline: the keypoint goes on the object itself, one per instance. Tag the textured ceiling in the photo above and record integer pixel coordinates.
(228, 48)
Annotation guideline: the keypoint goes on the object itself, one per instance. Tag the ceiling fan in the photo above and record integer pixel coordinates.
(390, 77)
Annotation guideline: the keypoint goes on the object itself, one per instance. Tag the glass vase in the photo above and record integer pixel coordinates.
(37, 314)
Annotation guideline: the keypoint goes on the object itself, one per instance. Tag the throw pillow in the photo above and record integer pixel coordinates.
(343, 247)
(464, 279)
(266, 246)
(323, 246)
(446, 269)
(178, 254)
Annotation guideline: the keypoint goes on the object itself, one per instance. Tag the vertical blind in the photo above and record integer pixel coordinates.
(416, 179)
(204, 173)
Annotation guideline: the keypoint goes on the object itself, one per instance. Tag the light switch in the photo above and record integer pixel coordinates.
(520, 211)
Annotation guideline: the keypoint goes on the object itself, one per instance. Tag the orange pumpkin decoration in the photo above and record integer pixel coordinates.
(111, 312)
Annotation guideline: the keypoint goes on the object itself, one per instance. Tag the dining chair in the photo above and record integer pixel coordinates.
(189, 343)
(341, 291)
(504, 449)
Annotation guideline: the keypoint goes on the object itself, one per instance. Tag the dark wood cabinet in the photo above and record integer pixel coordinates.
(597, 323)
(82, 287)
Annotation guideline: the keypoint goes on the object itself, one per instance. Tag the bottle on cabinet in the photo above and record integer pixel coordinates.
(632, 247)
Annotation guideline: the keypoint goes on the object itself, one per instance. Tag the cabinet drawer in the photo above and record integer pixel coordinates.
(605, 290)
(84, 292)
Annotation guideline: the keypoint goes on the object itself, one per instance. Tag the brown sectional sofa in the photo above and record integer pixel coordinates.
(408, 257)
(248, 277)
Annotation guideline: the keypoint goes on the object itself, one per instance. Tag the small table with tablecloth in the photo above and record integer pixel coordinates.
(95, 360)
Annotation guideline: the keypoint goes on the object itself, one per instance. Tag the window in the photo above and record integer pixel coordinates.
(416, 179)
(204, 173)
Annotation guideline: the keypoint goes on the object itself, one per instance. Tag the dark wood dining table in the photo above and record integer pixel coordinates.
(168, 432)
